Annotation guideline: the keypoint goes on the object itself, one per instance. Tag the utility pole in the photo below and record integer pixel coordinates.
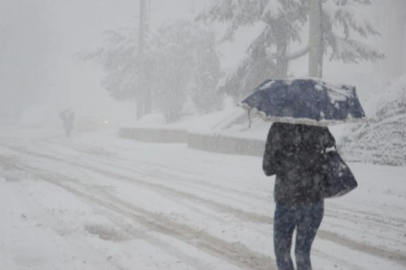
(315, 39)
(143, 94)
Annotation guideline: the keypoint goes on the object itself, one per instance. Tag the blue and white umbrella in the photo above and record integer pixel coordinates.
(305, 101)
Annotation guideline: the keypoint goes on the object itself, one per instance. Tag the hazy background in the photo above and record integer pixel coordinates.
(39, 40)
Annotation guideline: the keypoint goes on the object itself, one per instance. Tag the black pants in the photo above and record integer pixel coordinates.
(306, 219)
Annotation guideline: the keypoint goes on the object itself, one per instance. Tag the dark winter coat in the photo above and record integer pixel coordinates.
(295, 153)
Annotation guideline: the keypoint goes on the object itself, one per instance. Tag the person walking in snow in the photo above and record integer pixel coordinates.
(295, 153)
(68, 118)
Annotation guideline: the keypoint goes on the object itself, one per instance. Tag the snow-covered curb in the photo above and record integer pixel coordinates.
(197, 139)
(220, 143)
(150, 134)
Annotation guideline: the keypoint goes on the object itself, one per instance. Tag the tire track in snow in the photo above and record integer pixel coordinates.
(167, 170)
(234, 253)
(174, 173)
(134, 233)
(336, 260)
(46, 221)
(238, 213)
(327, 235)
(336, 212)
(184, 182)
(395, 222)
(381, 224)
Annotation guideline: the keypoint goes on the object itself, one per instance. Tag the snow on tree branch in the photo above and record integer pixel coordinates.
(349, 50)
(299, 53)
(350, 15)
(240, 13)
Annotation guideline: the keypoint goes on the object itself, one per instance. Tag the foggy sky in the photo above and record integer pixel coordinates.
(38, 41)
(40, 38)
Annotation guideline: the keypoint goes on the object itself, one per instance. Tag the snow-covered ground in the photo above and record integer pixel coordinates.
(98, 202)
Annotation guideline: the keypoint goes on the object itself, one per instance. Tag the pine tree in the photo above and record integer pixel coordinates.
(268, 55)
(119, 59)
(283, 23)
(344, 23)
(179, 66)
(186, 68)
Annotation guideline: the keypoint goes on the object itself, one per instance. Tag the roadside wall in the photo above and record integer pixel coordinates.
(226, 144)
(217, 143)
(156, 135)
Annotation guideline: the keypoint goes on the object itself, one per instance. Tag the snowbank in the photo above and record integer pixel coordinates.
(383, 139)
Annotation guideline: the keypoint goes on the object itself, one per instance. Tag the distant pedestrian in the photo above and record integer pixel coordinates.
(296, 154)
(68, 118)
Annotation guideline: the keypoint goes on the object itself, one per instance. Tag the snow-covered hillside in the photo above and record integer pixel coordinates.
(383, 139)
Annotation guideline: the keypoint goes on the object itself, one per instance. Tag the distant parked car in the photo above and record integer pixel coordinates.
(91, 123)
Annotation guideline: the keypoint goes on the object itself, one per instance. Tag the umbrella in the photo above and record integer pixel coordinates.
(305, 101)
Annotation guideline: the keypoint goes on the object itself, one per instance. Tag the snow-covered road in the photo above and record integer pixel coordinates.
(96, 202)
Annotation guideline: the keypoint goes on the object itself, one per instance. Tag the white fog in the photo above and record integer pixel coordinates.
(129, 146)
